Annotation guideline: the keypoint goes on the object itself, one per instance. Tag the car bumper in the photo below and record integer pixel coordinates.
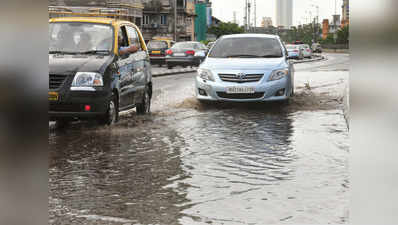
(264, 91)
(72, 105)
(157, 59)
(184, 61)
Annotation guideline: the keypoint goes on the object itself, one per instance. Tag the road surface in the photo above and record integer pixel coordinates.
(219, 164)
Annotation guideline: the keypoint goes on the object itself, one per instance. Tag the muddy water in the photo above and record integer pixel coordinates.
(230, 164)
(188, 163)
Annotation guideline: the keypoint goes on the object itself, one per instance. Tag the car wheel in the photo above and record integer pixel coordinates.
(112, 114)
(145, 106)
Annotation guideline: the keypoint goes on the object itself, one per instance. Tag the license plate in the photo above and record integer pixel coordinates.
(155, 52)
(53, 96)
(179, 54)
(240, 90)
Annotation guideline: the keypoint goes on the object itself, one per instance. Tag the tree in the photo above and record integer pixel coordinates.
(343, 35)
(329, 39)
(225, 29)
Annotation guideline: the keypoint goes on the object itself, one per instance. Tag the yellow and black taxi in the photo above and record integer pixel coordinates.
(97, 68)
(157, 50)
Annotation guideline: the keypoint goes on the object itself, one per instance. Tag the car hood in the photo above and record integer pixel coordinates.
(69, 64)
(244, 63)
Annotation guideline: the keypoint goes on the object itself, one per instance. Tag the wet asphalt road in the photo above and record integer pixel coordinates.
(219, 164)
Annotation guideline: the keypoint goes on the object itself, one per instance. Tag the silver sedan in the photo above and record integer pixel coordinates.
(246, 68)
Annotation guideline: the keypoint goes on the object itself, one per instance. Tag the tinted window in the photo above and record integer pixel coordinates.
(246, 47)
(157, 44)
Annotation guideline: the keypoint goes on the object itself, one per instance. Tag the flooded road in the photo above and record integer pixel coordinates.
(219, 164)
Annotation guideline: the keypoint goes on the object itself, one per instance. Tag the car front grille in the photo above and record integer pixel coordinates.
(243, 79)
(56, 81)
(241, 96)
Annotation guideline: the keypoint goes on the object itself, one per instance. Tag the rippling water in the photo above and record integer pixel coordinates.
(231, 166)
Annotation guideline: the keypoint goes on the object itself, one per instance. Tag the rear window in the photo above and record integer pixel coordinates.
(292, 46)
(157, 44)
(185, 45)
(246, 47)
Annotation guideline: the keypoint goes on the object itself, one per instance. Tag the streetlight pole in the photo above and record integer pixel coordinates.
(175, 20)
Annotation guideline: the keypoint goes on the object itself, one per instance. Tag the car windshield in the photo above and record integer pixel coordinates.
(184, 45)
(247, 47)
(157, 44)
(72, 37)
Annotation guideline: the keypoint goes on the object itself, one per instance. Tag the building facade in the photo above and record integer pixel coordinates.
(158, 19)
(346, 13)
(284, 13)
(266, 22)
(131, 10)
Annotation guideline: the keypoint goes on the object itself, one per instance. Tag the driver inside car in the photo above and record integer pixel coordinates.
(125, 49)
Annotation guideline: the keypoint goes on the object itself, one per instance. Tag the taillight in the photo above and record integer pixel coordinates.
(169, 52)
(295, 51)
(190, 52)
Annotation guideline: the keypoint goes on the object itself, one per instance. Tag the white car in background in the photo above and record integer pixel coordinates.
(307, 52)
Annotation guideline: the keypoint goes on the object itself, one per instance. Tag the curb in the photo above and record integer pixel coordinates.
(346, 106)
(319, 58)
(173, 71)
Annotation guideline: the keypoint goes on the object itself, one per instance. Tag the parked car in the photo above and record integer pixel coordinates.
(246, 68)
(295, 51)
(316, 47)
(307, 52)
(186, 54)
(91, 75)
(157, 51)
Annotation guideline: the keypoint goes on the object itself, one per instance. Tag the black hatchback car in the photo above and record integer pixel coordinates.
(91, 75)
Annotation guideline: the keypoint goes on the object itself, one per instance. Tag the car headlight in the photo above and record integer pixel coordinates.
(205, 74)
(278, 74)
(87, 79)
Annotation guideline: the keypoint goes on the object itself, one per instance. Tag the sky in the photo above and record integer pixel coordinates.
(223, 9)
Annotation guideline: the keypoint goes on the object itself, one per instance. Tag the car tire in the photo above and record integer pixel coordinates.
(145, 106)
(112, 113)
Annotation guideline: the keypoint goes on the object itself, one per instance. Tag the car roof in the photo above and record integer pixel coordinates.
(251, 35)
(102, 20)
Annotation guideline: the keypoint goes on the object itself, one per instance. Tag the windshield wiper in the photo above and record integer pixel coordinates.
(271, 56)
(95, 52)
(245, 56)
(62, 52)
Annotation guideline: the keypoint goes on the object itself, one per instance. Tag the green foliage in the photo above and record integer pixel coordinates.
(329, 39)
(343, 35)
(225, 29)
(205, 42)
(305, 33)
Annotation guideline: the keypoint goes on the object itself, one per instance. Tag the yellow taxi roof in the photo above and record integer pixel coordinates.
(102, 20)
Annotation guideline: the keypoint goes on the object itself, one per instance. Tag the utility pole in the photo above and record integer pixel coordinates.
(248, 6)
(245, 23)
(255, 14)
(175, 20)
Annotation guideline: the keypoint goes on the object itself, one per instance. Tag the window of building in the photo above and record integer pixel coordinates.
(163, 19)
(145, 20)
